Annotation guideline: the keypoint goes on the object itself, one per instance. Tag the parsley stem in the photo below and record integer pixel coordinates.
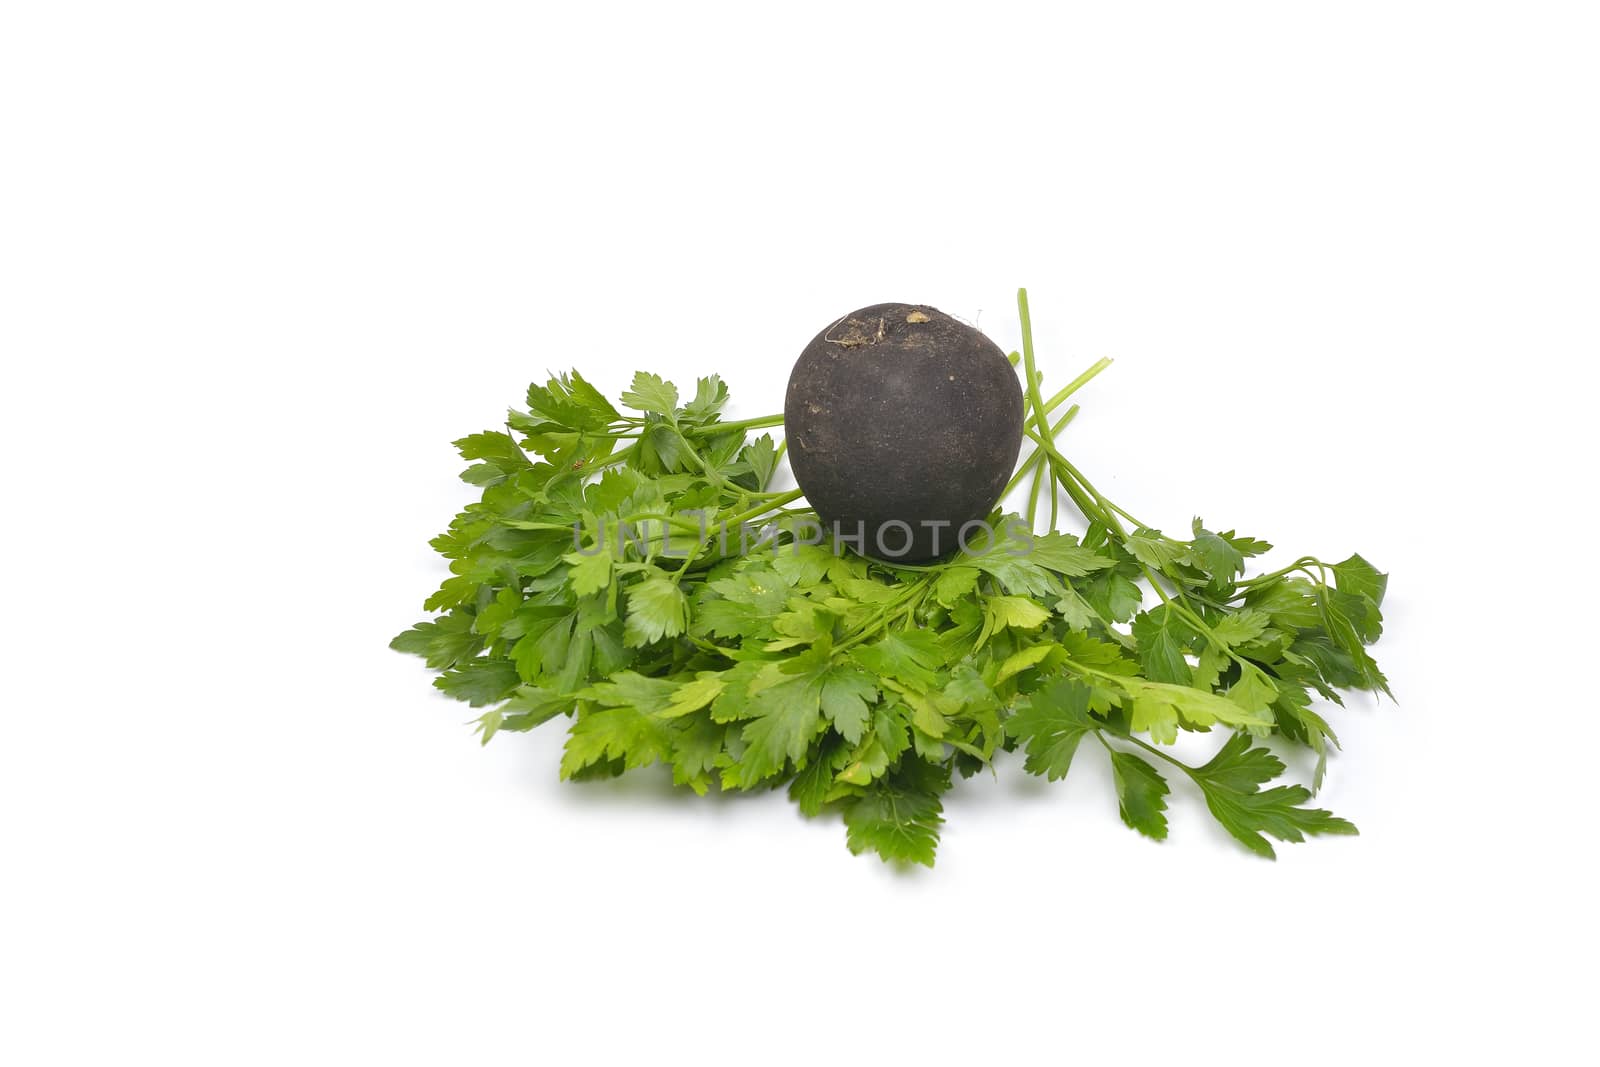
(712, 475)
(1030, 370)
(1154, 751)
(771, 505)
(1040, 410)
(1099, 735)
(711, 646)
(882, 617)
(1091, 510)
(676, 520)
(1055, 498)
(1178, 763)
(1039, 478)
(1304, 563)
(1077, 383)
(1111, 510)
(610, 461)
(1037, 456)
(713, 428)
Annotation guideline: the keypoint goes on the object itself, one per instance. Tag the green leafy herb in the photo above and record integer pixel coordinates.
(638, 574)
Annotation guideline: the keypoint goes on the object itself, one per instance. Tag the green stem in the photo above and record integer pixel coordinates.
(1154, 751)
(1077, 383)
(1303, 564)
(1108, 510)
(1085, 503)
(611, 460)
(770, 505)
(774, 502)
(1045, 436)
(711, 646)
(712, 475)
(713, 428)
(887, 613)
(676, 520)
(1039, 478)
(1030, 374)
(1037, 455)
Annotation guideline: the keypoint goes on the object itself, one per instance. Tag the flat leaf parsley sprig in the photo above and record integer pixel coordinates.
(865, 687)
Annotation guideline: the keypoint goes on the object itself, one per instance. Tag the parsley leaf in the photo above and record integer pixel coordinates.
(899, 816)
(650, 393)
(1163, 640)
(787, 717)
(909, 656)
(1231, 781)
(710, 394)
(566, 402)
(623, 734)
(1141, 794)
(442, 642)
(1050, 724)
(480, 681)
(656, 609)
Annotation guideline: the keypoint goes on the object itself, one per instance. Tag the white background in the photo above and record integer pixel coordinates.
(260, 263)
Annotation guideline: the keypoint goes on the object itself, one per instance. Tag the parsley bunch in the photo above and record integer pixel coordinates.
(601, 577)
